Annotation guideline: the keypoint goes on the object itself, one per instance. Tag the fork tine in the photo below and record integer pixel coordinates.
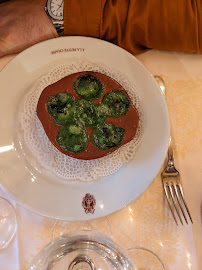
(182, 196)
(178, 199)
(169, 202)
(173, 199)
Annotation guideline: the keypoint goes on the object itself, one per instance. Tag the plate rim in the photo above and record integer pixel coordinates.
(44, 213)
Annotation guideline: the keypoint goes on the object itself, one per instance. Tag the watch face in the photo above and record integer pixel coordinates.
(55, 9)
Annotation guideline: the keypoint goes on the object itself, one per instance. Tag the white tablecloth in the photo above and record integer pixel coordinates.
(147, 222)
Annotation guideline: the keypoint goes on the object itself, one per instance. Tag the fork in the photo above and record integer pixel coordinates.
(171, 177)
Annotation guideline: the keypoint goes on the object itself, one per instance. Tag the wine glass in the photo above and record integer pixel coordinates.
(81, 250)
(89, 250)
(8, 223)
(145, 259)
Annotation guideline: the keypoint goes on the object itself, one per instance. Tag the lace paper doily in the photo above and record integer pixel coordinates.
(49, 156)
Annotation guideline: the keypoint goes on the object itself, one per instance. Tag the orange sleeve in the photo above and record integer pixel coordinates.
(138, 25)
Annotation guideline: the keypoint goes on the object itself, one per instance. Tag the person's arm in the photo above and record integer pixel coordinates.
(137, 25)
(22, 24)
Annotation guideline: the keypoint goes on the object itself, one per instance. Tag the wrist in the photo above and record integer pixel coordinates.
(41, 3)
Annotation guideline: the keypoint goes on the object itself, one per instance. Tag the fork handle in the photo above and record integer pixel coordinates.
(170, 153)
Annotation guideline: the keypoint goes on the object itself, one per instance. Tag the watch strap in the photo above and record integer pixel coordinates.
(59, 26)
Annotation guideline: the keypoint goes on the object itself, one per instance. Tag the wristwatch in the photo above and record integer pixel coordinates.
(54, 9)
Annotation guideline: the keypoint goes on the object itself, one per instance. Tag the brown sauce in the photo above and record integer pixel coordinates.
(129, 121)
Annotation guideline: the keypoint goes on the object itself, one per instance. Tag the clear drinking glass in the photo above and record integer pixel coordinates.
(8, 223)
(145, 259)
(81, 250)
(88, 250)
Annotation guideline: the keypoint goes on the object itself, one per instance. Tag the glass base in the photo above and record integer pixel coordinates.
(82, 250)
(8, 223)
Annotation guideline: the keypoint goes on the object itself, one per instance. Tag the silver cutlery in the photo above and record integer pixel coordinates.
(171, 178)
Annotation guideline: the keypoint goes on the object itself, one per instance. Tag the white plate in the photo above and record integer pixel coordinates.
(40, 191)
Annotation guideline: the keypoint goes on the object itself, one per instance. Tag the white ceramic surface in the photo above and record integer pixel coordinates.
(34, 187)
